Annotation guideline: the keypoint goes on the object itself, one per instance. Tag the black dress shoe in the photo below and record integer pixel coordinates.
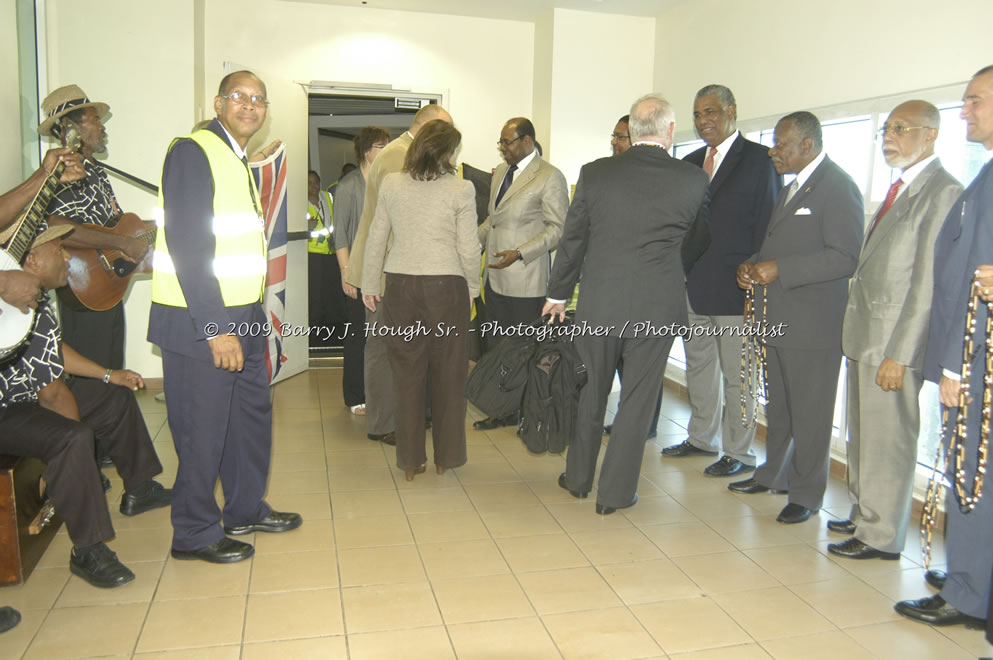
(574, 493)
(607, 428)
(276, 521)
(841, 526)
(105, 461)
(225, 551)
(936, 578)
(104, 481)
(750, 487)
(686, 448)
(386, 438)
(793, 513)
(150, 495)
(98, 565)
(607, 510)
(937, 612)
(727, 467)
(9, 617)
(856, 549)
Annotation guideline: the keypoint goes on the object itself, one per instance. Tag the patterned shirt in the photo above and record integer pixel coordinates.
(90, 200)
(36, 364)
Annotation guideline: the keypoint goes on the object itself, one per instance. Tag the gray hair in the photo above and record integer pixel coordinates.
(722, 93)
(651, 115)
(808, 126)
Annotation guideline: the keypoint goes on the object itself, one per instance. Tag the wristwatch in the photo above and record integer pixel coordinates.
(106, 376)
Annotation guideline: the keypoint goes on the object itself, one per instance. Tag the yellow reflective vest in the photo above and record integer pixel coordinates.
(320, 238)
(237, 225)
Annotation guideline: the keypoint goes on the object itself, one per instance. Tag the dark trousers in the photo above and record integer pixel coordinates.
(653, 425)
(645, 359)
(803, 385)
(221, 425)
(98, 336)
(510, 310)
(353, 350)
(437, 306)
(66, 446)
(325, 298)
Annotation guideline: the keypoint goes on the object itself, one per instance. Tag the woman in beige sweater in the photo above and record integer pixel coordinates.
(432, 275)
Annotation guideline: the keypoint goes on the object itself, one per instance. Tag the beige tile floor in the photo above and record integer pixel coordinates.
(488, 561)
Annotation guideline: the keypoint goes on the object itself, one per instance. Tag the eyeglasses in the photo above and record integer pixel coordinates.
(507, 143)
(245, 100)
(618, 136)
(898, 131)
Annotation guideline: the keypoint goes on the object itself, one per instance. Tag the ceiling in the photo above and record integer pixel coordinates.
(528, 10)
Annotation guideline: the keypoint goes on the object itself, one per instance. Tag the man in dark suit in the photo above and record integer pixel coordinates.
(964, 252)
(625, 227)
(885, 333)
(810, 250)
(743, 189)
(206, 296)
(528, 201)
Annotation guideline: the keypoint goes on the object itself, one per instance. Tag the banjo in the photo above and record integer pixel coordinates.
(15, 325)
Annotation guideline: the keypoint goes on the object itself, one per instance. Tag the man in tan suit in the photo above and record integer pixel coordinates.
(528, 201)
(378, 374)
(885, 332)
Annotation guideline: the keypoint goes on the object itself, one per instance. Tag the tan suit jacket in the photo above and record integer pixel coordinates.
(889, 301)
(530, 219)
(389, 160)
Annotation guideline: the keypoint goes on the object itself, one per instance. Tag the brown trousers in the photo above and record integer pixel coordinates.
(427, 317)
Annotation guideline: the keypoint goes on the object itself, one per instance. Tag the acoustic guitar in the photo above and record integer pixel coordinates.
(15, 325)
(98, 279)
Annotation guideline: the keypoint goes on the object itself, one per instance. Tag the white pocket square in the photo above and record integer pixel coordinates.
(802, 211)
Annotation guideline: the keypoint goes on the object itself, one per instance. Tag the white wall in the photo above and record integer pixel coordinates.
(10, 100)
(107, 47)
(601, 63)
(778, 57)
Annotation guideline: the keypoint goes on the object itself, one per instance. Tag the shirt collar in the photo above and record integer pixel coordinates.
(804, 174)
(238, 151)
(908, 175)
(724, 147)
(524, 162)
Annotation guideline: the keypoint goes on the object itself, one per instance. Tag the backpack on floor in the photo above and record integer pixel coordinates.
(497, 382)
(551, 396)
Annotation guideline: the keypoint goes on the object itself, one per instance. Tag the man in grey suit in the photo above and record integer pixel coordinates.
(963, 253)
(624, 231)
(378, 374)
(743, 189)
(528, 200)
(810, 250)
(885, 332)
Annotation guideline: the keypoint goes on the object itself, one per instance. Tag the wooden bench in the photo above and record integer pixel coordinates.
(26, 526)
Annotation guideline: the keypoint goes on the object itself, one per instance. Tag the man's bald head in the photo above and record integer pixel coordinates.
(429, 113)
(652, 120)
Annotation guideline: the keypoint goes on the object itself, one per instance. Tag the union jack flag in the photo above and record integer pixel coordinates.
(270, 177)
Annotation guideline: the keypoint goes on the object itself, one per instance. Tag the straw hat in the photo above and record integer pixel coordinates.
(63, 101)
(53, 232)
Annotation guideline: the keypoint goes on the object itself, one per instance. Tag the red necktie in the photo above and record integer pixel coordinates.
(887, 203)
(708, 162)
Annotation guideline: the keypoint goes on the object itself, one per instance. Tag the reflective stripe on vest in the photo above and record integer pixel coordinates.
(239, 262)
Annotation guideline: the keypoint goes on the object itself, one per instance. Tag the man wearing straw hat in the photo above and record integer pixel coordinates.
(97, 335)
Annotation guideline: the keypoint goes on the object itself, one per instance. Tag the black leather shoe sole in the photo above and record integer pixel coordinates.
(225, 551)
(575, 493)
(853, 548)
(281, 522)
(686, 448)
(607, 510)
(727, 468)
(936, 612)
(936, 578)
(841, 526)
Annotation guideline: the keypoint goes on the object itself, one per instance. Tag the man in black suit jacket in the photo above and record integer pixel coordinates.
(963, 253)
(743, 190)
(625, 228)
(810, 250)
